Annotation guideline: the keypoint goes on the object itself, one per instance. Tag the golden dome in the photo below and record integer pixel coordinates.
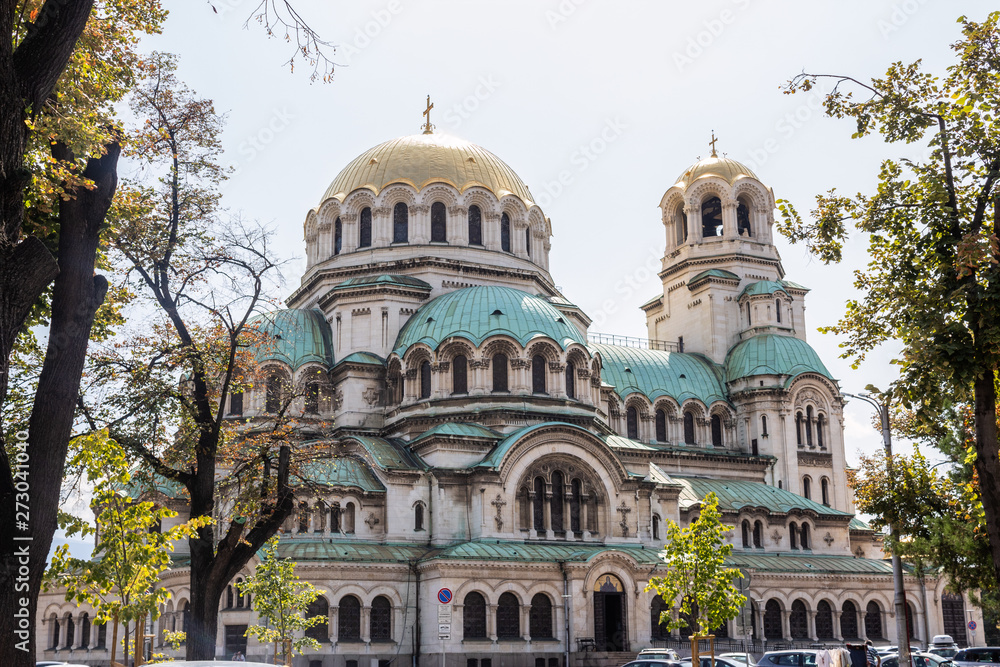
(722, 167)
(421, 159)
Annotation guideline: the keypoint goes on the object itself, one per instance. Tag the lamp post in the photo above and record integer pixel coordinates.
(902, 638)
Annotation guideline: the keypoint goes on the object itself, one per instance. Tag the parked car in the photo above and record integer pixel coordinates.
(801, 658)
(888, 650)
(943, 645)
(917, 659)
(978, 656)
(744, 658)
(652, 663)
(658, 654)
(705, 661)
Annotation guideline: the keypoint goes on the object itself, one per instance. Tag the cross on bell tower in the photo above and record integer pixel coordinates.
(711, 143)
(428, 128)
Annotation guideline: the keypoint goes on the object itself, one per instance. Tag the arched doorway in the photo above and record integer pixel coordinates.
(953, 615)
(610, 630)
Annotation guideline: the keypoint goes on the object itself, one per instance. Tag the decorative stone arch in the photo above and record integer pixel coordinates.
(266, 372)
(337, 593)
(328, 211)
(512, 586)
(545, 347)
(357, 201)
(453, 347)
(727, 419)
(700, 417)
(500, 344)
(415, 354)
(643, 413)
(396, 193)
(439, 192)
(710, 186)
(394, 380)
(576, 507)
(757, 193)
(539, 223)
(515, 208)
(674, 217)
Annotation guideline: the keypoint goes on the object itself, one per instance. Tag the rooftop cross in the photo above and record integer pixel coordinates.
(711, 143)
(428, 128)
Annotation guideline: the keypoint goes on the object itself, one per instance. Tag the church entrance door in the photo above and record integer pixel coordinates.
(610, 629)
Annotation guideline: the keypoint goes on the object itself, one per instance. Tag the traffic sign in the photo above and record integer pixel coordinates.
(444, 595)
(972, 625)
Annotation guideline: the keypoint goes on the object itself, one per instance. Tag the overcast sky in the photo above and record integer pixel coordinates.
(616, 99)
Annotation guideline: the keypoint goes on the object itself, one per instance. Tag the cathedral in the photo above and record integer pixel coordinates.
(500, 475)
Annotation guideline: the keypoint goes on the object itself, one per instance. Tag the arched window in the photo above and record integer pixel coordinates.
(793, 535)
(798, 428)
(849, 620)
(505, 232)
(824, 486)
(85, 631)
(312, 398)
(538, 374)
(716, 431)
(70, 631)
(319, 511)
(570, 380)
(804, 538)
(681, 222)
(824, 620)
(797, 621)
(460, 375)
(745, 526)
(365, 228)
(335, 513)
(500, 372)
(632, 422)
(475, 226)
(576, 497)
(102, 636)
(820, 427)
(711, 217)
(540, 617)
(743, 219)
(236, 403)
(474, 616)
(349, 619)
(272, 401)
(873, 621)
(538, 505)
(418, 516)
(527, 241)
(400, 223)
(806, 488)
(772, 620)
(321, 631)
(338, 236)
(508, 617)
(777, 309)
(558, 501)
(303, 517)
(425, 379)
(657, 630)
(763, 426)
(347, 518)
(809, 425)
(656, 527)
(689, 428)
(661, 426)
(758, 535)
(53, 631)
(439, 223)
(186, 622)
(381, 619)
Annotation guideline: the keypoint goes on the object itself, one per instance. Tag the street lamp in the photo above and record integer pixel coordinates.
(902, 638)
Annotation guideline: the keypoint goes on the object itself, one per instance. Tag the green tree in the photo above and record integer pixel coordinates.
(280, 600)
(120, 580)
(933, 281)
(697, 580)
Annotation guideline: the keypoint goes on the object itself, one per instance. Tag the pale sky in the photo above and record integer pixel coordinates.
(616, 99)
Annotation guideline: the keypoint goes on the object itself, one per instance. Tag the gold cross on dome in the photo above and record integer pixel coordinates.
(428, 128)
(711, 143)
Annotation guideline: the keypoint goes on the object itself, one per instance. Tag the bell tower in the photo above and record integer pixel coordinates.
(718, 219)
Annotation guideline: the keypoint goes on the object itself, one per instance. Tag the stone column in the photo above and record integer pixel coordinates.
(584, 516)
(811, 616)
(786, 630)
(63, 625)
(548, 514)
(526, 622)
(420, 224)
(366, 623)
(458, 225)
(491, 230)
(557, 372)
(693, 213)
(729, 220)
(836, 626)
(567, 517)
(334, 631)
(532, 532)
(348, 232)
(491, 621)
(381, 226)
(862, 631)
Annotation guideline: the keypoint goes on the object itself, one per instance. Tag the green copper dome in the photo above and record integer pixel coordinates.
(656, 373)
(770, 287)
(770, 354)
(294, 337)
(476, 313)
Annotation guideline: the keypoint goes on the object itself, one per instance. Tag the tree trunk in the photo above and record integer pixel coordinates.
(76, 296)
(988, 459)
(114, 640)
